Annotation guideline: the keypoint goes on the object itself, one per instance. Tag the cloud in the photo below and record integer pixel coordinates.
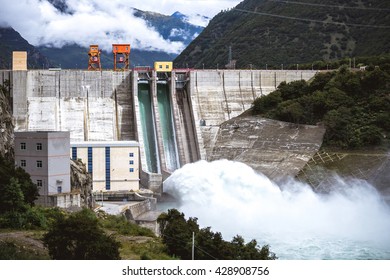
(98, 22)
(207, 8)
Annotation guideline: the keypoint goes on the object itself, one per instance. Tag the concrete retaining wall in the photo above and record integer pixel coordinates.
(133, 211)
(275, 148)
(220, 95)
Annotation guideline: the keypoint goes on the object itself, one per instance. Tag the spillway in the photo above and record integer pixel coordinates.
(148, 127)
(167, 127)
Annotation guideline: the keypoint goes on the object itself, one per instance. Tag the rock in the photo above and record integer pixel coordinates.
(81, 180)
(6, 125)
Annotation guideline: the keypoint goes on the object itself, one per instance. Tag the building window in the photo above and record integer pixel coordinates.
(74, 153)
(108, 169)
(131, 162)
(131, 170)
(131, 154)
(39, 146)
(90, 160)
(23, 146)
(39, 183)
(23, 163)
(39, 163)
(59, 189)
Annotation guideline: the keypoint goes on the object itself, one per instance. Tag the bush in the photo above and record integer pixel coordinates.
(79, 237)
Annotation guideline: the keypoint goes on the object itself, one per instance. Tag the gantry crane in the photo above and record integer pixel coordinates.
(121, 56)
(94, 58)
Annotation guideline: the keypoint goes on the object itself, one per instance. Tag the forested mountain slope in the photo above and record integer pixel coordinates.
(275, 32)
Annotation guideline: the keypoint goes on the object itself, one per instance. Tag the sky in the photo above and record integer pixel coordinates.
(102, 22)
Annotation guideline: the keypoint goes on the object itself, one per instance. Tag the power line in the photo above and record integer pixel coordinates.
(313, 20)
(205, 252)
(331, 6)
(186, 242)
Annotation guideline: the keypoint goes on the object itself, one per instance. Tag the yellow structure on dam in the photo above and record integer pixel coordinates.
(163, 66)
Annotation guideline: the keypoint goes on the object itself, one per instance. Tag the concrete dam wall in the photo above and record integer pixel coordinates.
(93, 106)
(220, 95)
(174, 116)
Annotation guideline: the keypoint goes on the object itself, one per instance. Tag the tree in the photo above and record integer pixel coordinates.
(267, 102)
(290, 111)
(16, 187)
(176, 233)
(12, 197)
(79, 237)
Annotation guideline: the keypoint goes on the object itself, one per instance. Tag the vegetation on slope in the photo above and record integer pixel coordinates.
(275, 32)
(177, 233)
(354, 106)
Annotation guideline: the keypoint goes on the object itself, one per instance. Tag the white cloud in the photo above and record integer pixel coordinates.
(207, 8)
(99, 22)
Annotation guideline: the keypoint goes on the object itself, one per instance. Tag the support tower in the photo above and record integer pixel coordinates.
(94, 58)
(121, 56)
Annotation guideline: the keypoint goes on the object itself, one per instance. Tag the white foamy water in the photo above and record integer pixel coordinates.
(352, 222)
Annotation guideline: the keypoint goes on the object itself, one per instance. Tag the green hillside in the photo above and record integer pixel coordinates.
(277, 32)
(354, 106)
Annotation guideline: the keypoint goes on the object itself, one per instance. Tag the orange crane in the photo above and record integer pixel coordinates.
(94, 58)
(121, 56)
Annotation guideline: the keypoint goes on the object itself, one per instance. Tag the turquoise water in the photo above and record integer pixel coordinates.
(148, 128)
(167, 127)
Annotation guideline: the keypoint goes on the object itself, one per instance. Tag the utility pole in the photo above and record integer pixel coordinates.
(193, 245)
(230, 55)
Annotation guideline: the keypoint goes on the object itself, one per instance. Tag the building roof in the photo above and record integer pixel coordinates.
(105, 144)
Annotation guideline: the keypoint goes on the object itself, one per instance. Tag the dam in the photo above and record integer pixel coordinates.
(175, 116)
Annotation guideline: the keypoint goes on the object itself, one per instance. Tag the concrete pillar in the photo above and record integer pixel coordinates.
(176, 119)
(192, 91)
(19, 93)
(157, 122)
(138, 126)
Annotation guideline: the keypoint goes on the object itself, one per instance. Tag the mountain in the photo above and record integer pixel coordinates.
(195, 19)
(10, 41)
(260, 32)
(175, 27)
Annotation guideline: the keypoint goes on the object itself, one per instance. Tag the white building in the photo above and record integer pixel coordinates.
(45, 156)
(114, 165)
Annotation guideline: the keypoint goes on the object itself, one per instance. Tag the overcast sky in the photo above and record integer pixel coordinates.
(102, 22)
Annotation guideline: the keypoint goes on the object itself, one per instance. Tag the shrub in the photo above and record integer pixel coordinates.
(79, 237)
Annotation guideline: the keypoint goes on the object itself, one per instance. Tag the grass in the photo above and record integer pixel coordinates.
(137, 243)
